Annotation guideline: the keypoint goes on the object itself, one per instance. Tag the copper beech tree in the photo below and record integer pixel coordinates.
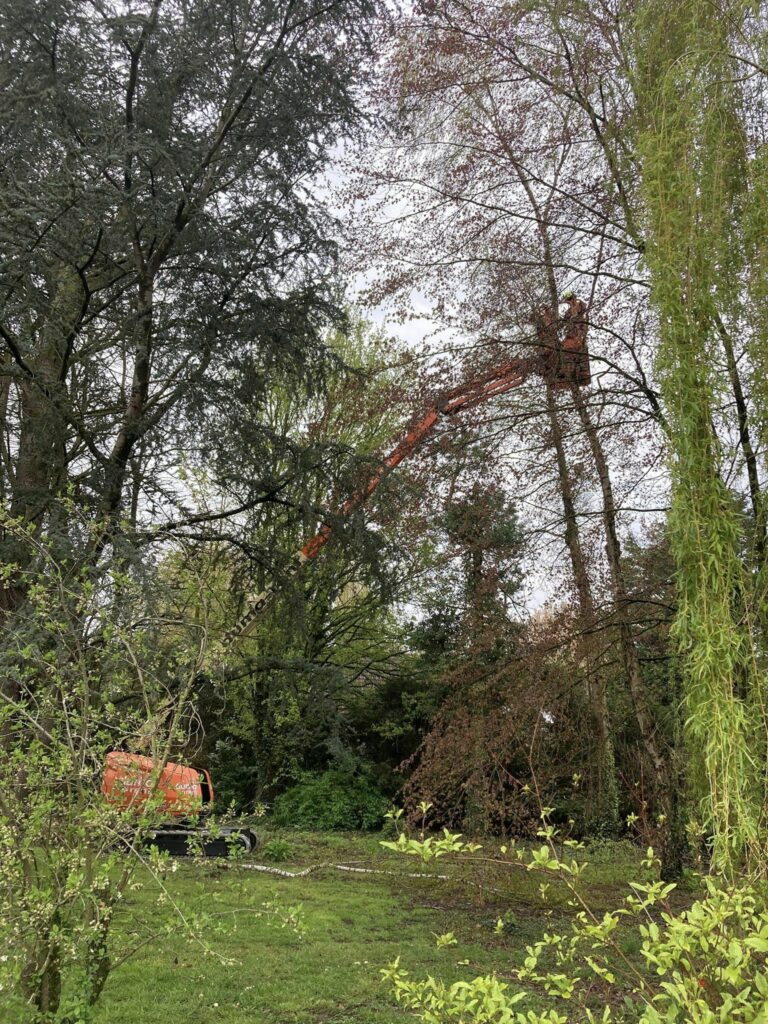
(505, 177)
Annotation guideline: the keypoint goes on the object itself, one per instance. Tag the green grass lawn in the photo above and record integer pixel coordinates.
(258, 972)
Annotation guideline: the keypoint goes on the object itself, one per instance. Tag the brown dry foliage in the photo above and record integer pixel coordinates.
(511, 736)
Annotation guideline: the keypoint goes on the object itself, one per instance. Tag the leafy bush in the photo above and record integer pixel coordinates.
(336, 800)
(484, 1000)
(707, 964)
(234, 779)
(432, 847)
(276, 850)
(712, 958)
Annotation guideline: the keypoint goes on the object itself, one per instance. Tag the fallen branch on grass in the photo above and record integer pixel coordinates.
(283, 873)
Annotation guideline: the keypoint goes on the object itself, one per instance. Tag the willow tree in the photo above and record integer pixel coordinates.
(755, 236)
(692, 150)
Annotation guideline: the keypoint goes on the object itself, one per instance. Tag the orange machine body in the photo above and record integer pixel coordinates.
(129, 783)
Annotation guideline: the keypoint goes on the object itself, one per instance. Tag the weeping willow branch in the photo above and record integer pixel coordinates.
(692, 152)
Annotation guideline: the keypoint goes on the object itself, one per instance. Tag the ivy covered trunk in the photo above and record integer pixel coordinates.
(692, 155)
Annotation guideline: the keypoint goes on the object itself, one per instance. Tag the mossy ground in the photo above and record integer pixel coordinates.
(258, 972)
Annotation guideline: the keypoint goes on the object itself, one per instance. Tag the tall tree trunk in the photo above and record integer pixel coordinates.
(603, 785)
(745, 441)
(630, 659)
(132, 427)
(605, 799)
(665, 785)
(41, 459)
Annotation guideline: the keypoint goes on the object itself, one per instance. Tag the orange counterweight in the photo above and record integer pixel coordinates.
(129, 785)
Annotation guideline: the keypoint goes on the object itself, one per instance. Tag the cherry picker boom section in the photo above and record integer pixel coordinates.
(561, 364)
(495, 382)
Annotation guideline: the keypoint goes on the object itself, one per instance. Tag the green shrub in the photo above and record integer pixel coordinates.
(276, 850)
(706, 964)
(389, 828)
(336, 800)
(234, 780)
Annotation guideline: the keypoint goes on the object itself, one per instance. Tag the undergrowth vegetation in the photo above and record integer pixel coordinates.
(642, 960)
(333, 800)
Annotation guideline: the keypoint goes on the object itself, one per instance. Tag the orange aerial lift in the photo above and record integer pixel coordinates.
(562, 364)
(176, 797)
(130, 781)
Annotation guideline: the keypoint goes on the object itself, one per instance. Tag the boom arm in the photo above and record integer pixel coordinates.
(473, 392)
(562, 364)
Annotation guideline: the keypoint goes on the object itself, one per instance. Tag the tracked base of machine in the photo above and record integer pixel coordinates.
(189, 842)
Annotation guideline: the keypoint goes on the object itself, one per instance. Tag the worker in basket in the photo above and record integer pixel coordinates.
(565, 362)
